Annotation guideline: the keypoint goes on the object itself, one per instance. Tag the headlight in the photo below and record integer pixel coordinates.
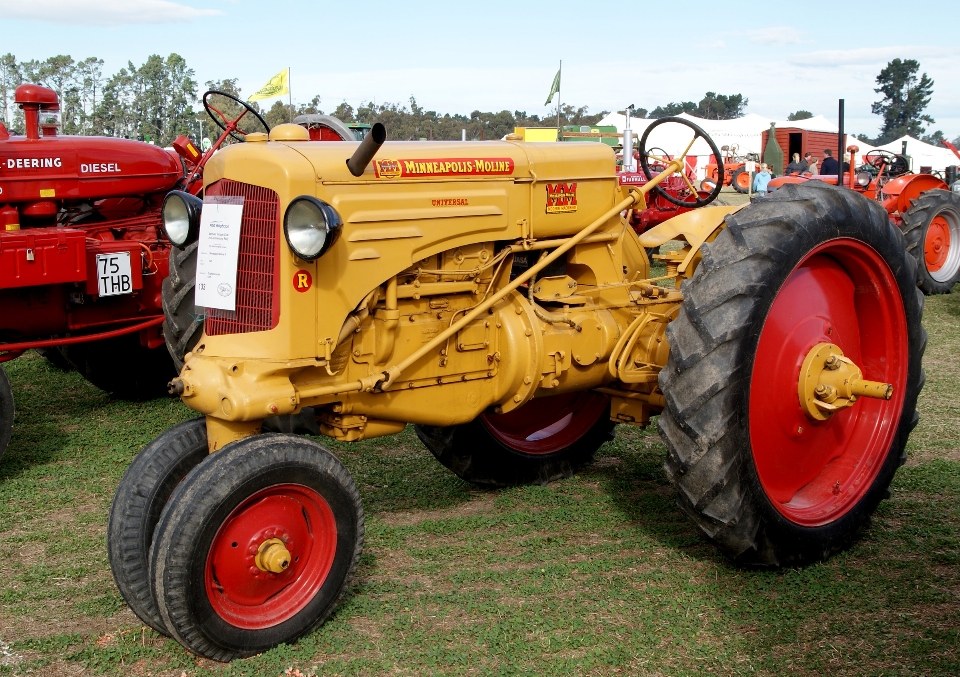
(311, 226)
(955, 187)
(181, 217)
(864, 179)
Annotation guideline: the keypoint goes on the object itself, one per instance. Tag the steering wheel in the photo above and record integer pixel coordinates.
(658, 152)
(896, 164)
(645, 157)
(232, 126)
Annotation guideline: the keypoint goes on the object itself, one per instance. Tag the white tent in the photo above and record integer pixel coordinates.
(923, 154)
(745, 133)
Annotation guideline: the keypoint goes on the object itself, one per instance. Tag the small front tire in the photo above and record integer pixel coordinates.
(931, 228)
(143, 492)
(262, 494)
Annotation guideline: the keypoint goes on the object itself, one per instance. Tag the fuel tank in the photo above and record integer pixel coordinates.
(82, 168)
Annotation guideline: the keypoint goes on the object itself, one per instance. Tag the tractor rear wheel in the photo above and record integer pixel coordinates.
(182, 324)
(931, 228)
(256, 547)
(771, 485)
(6, 411)
(740, 180)
(546, 439)
(144, 490)
(123, 367)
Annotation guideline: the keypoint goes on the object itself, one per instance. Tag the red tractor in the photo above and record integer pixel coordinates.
(921, 205)
(677, 193)
(83, 260)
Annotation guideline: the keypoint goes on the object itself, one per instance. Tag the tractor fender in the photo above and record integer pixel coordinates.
(900, 192)
(695, 227)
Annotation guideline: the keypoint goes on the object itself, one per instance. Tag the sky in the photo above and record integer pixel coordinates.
(496, 55)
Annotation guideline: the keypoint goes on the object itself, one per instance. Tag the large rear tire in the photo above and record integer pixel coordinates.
(182, 323)
(546, 439)
(931, 228)
(123, 367)
(268, 493)
(769, 485)
(143, 492)
(6, 411)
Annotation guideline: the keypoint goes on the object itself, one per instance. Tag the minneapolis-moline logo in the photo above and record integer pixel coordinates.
(561, 198)
(387, 169)
(424, 167)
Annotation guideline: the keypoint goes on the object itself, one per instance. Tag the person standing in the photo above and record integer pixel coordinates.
(805, 163)
(811, 169)
(830, 165)
(794, 166)
(761, 179)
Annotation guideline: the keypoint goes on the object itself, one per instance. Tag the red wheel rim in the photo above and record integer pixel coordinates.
(936, 246)
(743, 180)
(844, 293)
(249, 598)
(545, 425)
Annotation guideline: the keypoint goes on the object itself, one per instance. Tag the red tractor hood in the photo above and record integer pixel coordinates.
(82, 168)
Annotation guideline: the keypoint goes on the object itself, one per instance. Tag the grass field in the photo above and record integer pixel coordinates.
(596, 575)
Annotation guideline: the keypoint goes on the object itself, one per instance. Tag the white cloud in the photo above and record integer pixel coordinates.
(775, 35)
(870, 56)
(102, 12)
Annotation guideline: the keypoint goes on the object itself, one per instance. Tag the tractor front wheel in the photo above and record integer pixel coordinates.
(546, 439)
(143, 492)
(182, 324)
(772, 477)
(256, 547)
(931, 228)
(6, 411)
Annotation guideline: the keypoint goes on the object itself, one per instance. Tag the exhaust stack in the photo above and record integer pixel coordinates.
(367, 149)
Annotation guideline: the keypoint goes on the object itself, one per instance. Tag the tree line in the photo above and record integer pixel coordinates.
(158, 100)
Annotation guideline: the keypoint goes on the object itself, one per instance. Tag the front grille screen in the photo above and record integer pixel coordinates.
(258, 285)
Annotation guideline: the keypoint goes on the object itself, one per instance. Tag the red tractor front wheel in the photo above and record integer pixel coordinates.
(775, 456)
(256, 547)
(546, 439)
(931, 228)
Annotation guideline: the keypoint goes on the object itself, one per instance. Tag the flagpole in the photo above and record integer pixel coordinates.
(290, 93)
(560, 73)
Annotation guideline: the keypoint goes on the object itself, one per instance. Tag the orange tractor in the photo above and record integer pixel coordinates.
(731, 172)
(923, 206)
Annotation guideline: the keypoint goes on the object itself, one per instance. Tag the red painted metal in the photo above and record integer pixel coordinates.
(547, 424)
(63, 201)
(936, 246)
(252, 599)
(814, 472)
(258, 282)
(72, 340)
(658, 209)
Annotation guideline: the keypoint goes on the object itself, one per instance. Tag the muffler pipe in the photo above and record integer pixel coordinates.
(367, 149)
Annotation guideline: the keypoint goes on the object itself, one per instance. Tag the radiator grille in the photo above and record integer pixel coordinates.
(258, 284)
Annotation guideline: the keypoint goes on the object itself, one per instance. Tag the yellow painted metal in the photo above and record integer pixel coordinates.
(418, 312)
(830, 382)
(272, 556)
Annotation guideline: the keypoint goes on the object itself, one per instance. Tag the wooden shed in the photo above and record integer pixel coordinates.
(795, 140)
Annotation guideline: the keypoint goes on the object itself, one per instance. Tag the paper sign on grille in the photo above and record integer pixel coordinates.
(217, 252)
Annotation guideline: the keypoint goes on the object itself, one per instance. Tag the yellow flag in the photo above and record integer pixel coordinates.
(278, 85)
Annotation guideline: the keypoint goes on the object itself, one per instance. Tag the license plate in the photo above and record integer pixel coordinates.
(113, 274)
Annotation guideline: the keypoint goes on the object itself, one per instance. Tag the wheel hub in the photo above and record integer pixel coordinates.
(830, 382)
(272, 556)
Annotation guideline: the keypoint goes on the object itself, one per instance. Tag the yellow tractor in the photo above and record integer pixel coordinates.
(493, 295)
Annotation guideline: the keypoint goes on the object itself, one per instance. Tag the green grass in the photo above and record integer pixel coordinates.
(597, 575)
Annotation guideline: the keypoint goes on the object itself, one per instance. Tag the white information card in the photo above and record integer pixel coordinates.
(218, 251)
